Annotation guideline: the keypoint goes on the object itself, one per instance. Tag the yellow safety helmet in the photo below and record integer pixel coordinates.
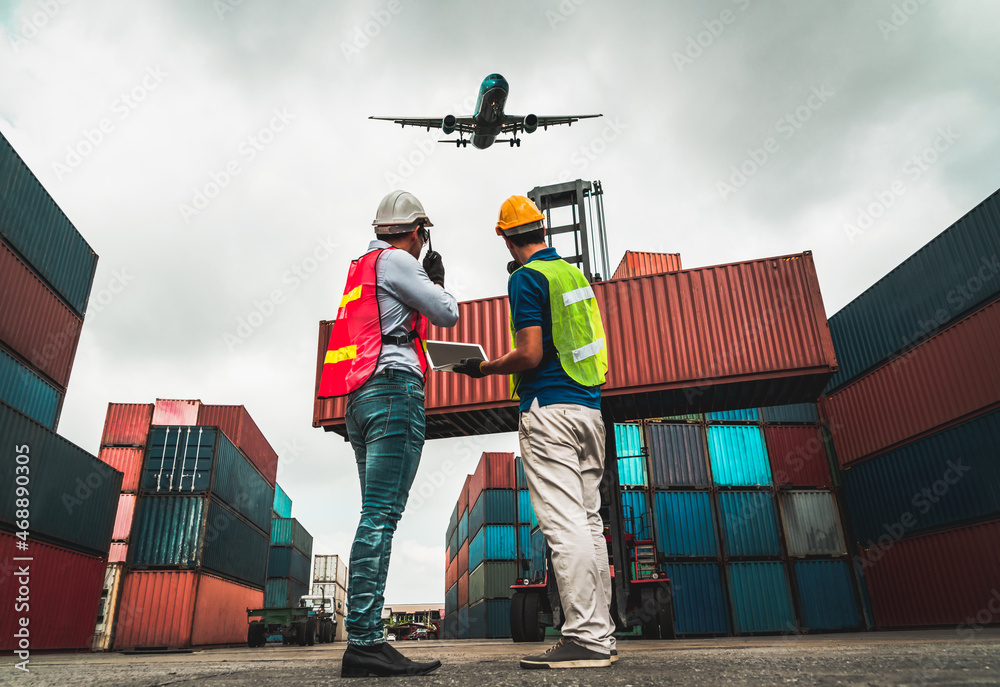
(518, 215)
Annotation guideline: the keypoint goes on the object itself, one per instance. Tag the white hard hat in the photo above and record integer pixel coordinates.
(399, 208)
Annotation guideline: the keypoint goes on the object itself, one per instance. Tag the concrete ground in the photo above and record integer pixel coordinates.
(938, 657)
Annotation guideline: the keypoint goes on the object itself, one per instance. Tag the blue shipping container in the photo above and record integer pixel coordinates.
(538, 550)
(463, 528)
(489, 619)
(635, 513)
(521, 481)
(493, 507)
(284, 561)
(748, 523)
(284, 593)
(27, 392)
(525, 509)
(760, 598)
(632, 471)
(795, 414)
(282, 503)
(945, 478)
(699, 600)
(451, 600)
(34, 225)
(748, 414)
(628, 439)
(493, 543)
(463, 622)
(453, 546)
(684, 524)
(290, 532)
(738, 456)
(677, 455)
(524, 542)
(826, 595)
(952, 274)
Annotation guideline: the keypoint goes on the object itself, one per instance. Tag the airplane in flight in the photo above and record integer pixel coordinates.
(489, 120)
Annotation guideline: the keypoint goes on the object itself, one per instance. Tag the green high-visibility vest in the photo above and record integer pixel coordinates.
(577, 330)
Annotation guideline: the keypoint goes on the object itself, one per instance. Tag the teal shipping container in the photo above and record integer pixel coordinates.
(677, 455)
(760, 598)
(74, 496)
(463, 528)
(699, 598)
(628, 439)
(190, 532)
(452, 522)
(749, 524)
(795, 414)
(635, 514)
(283, 593)
(284, 561)
(451, 600)
(524, 542)
(463, 623)
(632, 471)
(684, 524)
(493, 507)
(32, 223)
(453, 546)
(202, 460)
(538, 550)
(290, 532)
(520, 480)
(489, 619)
(741, 415)
(738, 455)
(493, 543)
(525, 509)
(282, 503)
(826, 595)
(25, 391)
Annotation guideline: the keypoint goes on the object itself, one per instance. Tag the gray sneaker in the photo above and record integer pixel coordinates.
(567, 654)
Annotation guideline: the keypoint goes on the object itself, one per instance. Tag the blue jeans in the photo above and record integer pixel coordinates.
(385, 423)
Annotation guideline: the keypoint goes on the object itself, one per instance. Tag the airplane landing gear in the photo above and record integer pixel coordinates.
(515, 141)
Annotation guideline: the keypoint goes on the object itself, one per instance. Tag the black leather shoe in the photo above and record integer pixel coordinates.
(386, 662)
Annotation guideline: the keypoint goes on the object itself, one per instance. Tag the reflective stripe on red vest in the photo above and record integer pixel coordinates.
(356, 340)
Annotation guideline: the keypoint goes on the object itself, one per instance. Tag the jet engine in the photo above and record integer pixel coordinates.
(530, 123)
(448, 124)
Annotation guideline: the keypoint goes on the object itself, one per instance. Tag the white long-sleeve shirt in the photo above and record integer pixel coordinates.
(403, 286)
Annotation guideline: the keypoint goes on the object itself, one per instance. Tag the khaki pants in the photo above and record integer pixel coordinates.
(562, 446)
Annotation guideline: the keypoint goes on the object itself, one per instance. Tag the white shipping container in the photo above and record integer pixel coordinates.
(330, 568)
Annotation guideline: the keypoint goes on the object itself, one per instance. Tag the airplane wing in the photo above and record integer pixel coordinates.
(515, 123)
(462, 124)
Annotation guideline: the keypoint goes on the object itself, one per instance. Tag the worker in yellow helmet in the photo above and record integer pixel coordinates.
(557, 365)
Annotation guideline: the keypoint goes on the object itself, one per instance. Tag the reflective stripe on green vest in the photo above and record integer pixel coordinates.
(577, 330)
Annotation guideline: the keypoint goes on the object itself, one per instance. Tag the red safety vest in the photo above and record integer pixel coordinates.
(356, 339)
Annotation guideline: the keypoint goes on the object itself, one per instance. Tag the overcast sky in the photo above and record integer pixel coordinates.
(732, 130)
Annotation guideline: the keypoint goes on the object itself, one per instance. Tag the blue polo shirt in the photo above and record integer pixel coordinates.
(528, 291)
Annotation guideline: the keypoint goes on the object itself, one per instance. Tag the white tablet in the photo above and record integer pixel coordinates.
(445, 355)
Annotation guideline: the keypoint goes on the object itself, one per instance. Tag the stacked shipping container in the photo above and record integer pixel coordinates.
(289, 564)
(330, 580)
(61, 498)
(915, 420)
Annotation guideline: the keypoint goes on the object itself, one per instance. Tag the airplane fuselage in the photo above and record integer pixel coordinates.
(488, 117)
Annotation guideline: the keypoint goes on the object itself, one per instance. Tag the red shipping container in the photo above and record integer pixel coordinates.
(118, 553)
(798, 456)
(126, 460)
(463, 497)
(34, 322)
(123, 519)
(639, 264)
(463, 559)
(952, 375)
(65, 592)
(945, 578)
(495, 471)
(451, 574)
(181, 609)
(127, 424)
(236, 423)
(463, 590)
(714, 338)
(175, 412)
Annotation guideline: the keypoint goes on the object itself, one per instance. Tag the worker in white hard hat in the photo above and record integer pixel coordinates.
(557, 365)
(376, 358)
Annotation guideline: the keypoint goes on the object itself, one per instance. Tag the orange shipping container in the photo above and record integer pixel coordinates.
(123, 519)
(126, 460)
(127, 424)
(638, 264)
(176, 412)
(741, 335)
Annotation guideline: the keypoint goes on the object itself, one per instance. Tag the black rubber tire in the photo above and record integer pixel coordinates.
(664, 598)
(300, 633)
(517, 616)
(533, 629)
(311, 625)
(650, 613)
(254, 636)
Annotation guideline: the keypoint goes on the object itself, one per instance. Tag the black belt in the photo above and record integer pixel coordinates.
(401, 340)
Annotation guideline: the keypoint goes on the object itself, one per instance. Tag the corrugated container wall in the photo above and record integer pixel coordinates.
(330, 568)
(684, 524)
(699, 598)
(826, 595)
(951, 275)
(749, 524)
(738, 456)
(290, 532)
(640, 264)
(34, 323)
(35, 226)
(795, 414)
(237, 424)
(798, 456)
(677, 455)
(127, 424)
(812, 524)
(760, 598)
(65, 595)
(893, 403)
(24, 390)
(129, 461)
(282, 503)
(174, 411)
(490, 619)
(74, 496)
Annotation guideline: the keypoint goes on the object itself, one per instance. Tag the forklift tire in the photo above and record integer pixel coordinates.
(300, 633)
(311, 631)
(533, 629)
(255, 635)
(650, 613)
(665, 602)
(517, 616)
